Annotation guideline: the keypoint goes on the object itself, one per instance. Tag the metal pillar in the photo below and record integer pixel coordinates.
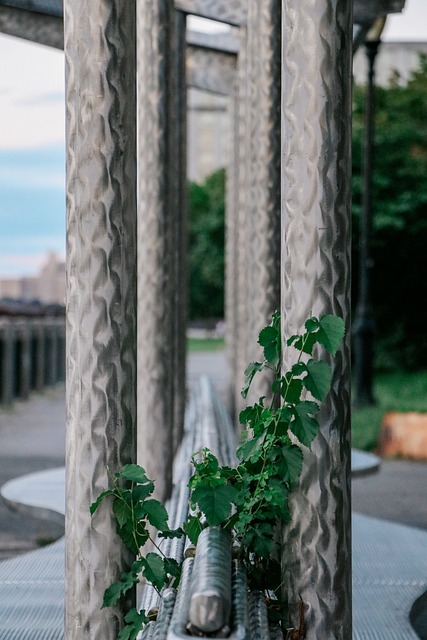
(364, 325)
(316, 126)
(258, 244)
(263, 171)
(101, 301)
(241, 324)
(231, 251)
(178, 116)
(7, 363)
(156, 235)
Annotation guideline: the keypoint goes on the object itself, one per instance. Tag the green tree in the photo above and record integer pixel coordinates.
(206, 247)
(399, 235)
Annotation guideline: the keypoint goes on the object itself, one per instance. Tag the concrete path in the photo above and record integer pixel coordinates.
(32, 438)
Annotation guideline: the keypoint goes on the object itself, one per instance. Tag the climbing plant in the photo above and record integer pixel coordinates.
(250, 500)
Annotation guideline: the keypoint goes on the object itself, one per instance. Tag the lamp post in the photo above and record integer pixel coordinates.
(364, 326)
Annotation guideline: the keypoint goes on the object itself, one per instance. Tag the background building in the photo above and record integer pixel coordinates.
(47, 287)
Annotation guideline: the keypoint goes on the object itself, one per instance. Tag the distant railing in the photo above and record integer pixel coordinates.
(32, 350)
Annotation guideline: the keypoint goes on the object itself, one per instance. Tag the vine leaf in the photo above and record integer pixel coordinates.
(269, 339)
(318, 379)
(290, 463)
(156, 514)
(331, 332)
(154, 569)
(122, 511)
(304, 425)
(193, 528)
(94, 506)
(134, 473)
(250, 372)
(248, 448)
(114, 592)
(214, 501)
(135, 621)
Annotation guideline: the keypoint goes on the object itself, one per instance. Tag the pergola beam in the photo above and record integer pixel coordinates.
(35, 27)
(232, 12)
(211, 71)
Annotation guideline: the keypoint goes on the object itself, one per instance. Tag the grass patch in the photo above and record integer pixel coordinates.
(392, 392)
(205, 344)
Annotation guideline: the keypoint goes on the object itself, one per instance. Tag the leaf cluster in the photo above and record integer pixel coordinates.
(251, 499)
(136, 512)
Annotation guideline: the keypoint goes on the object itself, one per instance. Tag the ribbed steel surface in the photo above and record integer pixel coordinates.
(155, 237)
(241, 223)
(316, 130)
(101, 309)
(263, 183)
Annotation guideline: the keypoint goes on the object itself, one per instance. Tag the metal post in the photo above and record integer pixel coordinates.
(263, 261)
(156, 234)
(316, 130)
(231, 250)
(364, 325)
(7, 362)
(178, 119)
(241, 236)
(39, 332)
(101, 300)
(23, 359)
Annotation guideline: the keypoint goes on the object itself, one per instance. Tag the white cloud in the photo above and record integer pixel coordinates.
(32, 102)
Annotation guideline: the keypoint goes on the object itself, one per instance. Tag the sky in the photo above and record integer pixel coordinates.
(32, 142)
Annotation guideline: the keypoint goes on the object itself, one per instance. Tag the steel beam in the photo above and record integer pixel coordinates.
(211, 70)
(101, 301)
(224, 42)
(316, 161)
(35, 27)
(231, 12)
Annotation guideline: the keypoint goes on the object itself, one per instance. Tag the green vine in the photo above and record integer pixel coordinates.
(251, 499)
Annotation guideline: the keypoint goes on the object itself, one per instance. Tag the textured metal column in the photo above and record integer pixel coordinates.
(231, 248)
(259, 184)
(316, 279)
(178, 118)
(241, 338)
(264, 64)
(101, 300)
(156, 233)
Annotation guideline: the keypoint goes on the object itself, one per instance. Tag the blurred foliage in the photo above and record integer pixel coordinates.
(399, 235)
(206, 247)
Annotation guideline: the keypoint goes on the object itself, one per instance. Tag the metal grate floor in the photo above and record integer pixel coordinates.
(32, 595)
(389, 574)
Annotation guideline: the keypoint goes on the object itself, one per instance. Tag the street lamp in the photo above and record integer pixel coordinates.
(364, 325)
(369, 18)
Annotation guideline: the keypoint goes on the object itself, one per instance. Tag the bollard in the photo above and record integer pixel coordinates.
(7, 363)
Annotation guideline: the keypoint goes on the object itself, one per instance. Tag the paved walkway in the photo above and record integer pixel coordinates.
(389, 560)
